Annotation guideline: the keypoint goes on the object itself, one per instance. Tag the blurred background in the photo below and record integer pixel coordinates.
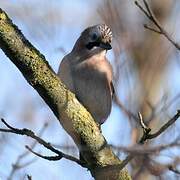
(146, 78)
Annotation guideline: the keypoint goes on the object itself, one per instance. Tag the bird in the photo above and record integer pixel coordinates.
(88, 74)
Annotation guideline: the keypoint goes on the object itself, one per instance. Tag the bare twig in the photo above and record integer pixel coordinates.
(173, 166)
(176, 171)
(47, 145)
(158, 168)
(164, 127)
(29, 177)
(152, 29)
(50, 158)
(160, 30)
(146, 136)
(146, 130)
(18, 165)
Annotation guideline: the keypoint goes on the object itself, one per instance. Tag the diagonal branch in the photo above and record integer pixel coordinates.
(74, 118)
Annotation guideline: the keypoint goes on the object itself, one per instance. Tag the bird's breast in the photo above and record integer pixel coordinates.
(92, 89)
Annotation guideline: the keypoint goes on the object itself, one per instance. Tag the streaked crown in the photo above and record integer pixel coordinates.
(101, 30)
(99, 36)
(106, 32)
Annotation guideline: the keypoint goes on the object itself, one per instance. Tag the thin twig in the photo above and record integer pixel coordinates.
(50, 158)
(176, 171)
(162, 167)
(146, 130)
(164, 127)
(17, 165)
(146, 136)
(144, 127)
(152, 29)
(142, 9)
(47, 145)
(29, 177)
(160, 30)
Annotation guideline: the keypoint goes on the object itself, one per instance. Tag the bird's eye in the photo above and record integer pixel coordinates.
(94, 36)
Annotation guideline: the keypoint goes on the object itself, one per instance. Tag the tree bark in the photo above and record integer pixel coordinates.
(75, 119)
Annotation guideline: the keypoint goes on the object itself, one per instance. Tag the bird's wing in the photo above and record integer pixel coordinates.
(64, 73)
(93, 89)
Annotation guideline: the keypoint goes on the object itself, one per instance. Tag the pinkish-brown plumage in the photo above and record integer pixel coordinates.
(87, 72)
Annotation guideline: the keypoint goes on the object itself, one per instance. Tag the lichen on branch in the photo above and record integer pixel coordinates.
(75, 119)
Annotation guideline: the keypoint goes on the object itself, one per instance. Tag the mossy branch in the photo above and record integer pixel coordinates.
(75, 119)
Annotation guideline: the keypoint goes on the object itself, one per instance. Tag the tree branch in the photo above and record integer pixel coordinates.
(74, 118)
(47, 145)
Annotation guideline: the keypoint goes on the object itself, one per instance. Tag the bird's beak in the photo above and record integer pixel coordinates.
(101, 44)
(106, 45)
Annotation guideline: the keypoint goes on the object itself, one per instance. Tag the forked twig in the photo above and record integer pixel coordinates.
(47, 145)
(159, 29)
(145, 137)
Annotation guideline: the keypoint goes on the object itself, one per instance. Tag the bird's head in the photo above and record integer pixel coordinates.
(99, 36)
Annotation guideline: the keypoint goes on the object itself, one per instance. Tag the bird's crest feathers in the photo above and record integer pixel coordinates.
(102, 29)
